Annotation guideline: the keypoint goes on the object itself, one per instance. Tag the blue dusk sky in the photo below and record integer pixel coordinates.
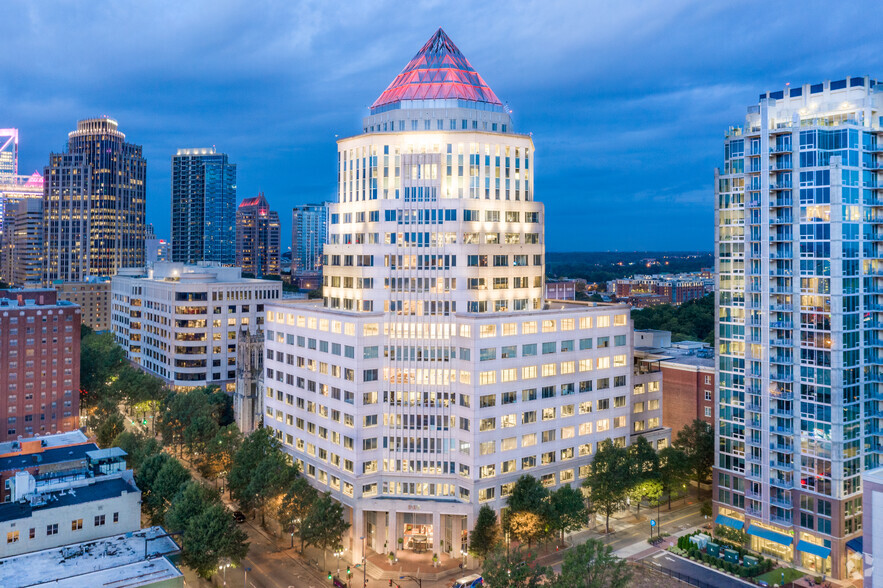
(628, 101)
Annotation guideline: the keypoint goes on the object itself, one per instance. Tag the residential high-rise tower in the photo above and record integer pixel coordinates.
(257, 237)
(799, 382)
(94, 204)
(309, 230)
(203, 207)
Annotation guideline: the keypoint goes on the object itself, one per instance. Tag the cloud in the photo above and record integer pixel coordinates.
(627, 101)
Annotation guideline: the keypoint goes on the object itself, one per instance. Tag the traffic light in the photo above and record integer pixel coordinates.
(390, 582)
(348, 573)
(329, 575)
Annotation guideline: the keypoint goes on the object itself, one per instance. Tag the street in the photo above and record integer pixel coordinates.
(694, 573)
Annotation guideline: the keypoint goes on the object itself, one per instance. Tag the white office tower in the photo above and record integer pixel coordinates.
(799, 247)
(432, 376)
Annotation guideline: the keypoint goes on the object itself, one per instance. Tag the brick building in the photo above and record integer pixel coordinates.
(40, 352)
(687, 377)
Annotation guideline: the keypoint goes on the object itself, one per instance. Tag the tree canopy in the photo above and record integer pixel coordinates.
(693, 320)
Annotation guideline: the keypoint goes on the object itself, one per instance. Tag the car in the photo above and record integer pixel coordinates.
(473, 581)
(238, 517)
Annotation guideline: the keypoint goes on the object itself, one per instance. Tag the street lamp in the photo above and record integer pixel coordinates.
(364, 577)
(338, 551)
(413, 579)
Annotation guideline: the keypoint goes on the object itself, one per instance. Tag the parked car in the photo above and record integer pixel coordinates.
(473, 581)
(238, 517)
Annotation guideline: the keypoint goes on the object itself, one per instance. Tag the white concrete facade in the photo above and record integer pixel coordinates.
(507, 394)
(84, 510)
(182, 322)
(433, 374)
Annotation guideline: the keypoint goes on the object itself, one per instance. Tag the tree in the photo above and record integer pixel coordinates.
(296, 505)
(608, 479)
(100, 360)
(217, 459)
(513, 569)
(108, 426)
(161, 478)
(674, 470)
(324, 526)
(210, 536)
(568, 510)
(697, 441)
(650, 490)
(528, 494)
(593, 565)
(644, 466)
(137, 447)
(486, 533)
(191, 419)
(526, 526)
(193, 499)
(260, 471)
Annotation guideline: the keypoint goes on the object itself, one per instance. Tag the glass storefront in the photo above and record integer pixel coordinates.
(772, 548)
(816, 564)
(417, 532)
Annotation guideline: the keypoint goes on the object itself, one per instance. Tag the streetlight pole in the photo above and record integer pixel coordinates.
(364, 576)
(413, 579)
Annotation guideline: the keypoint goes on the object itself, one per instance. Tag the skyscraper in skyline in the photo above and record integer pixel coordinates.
(432, 375)
(8, 155)
(257, 237)
(799, 258)
(94, 204)
(309, 231)
(22, 243)
(203, 207)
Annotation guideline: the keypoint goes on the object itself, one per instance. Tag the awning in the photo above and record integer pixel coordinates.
(729, 522)
(856, 545)
(807, 547)
(770, 535)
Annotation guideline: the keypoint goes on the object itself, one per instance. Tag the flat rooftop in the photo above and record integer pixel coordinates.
(114, 561)
(56, 440)
(47, 456)
(100, 488)
(677, 355)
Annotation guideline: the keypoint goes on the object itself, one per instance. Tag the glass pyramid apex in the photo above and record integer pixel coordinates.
(438, 71)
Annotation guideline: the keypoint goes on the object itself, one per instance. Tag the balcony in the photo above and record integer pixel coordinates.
(781, 359)
(781, 502)
(781, 447)
(782, 325)
(782, 342)
(784, 483)
(754, 512)
(753, 407)
(782, 520)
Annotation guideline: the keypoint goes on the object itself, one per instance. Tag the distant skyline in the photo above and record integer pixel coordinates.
(627, 102)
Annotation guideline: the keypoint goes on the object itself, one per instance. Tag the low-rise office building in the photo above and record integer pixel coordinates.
(127, 560)
(182, 322)
(68, 512)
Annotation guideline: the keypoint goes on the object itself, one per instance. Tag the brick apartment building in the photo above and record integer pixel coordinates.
(687, 377)
(40, 355)
(669, 290)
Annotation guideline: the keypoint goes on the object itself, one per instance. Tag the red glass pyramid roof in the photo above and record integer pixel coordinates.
(438, 71)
